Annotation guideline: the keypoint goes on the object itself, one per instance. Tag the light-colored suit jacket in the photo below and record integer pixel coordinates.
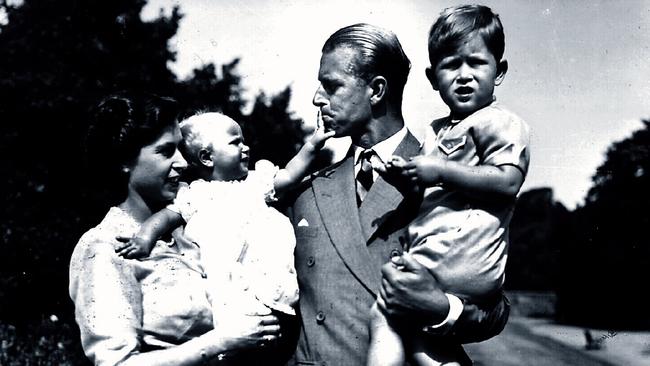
(340, 249)
(339, 253)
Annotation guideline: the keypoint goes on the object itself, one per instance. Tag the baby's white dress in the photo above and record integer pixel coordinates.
(246, 246)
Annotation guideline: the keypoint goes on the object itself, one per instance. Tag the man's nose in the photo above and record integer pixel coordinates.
(245, 148)
(319, 99)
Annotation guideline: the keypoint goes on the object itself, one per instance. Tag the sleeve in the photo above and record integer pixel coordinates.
(263, 178)
(480, 322)
(108, 302)
(503, 139)
(184, 204)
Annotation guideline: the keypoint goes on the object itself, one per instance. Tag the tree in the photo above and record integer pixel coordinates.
(538, 233)
(57, 60)
(606, 264)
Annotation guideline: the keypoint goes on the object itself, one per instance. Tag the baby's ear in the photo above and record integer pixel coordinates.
(431, 75)
(205, 158)
(502, 68)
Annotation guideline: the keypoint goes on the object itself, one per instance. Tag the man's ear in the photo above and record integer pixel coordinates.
(502, 68)
(205, 158)
(378, 90)
(431, 75)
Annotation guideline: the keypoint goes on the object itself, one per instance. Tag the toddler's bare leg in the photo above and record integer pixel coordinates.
(428, 352)
(386, 347)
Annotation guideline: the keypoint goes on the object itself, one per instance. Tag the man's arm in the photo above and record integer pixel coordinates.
(411, 293)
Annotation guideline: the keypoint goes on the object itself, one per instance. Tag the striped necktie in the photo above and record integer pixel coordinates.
(364, 177)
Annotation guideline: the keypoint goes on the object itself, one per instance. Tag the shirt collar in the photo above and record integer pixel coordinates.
(385, 148)
(456, 121)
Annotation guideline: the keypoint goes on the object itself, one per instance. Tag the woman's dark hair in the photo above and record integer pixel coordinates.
(121, 125)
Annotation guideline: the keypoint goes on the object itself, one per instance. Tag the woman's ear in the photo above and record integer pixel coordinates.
(502, 68)
(205, 158)
(431, 75)
(378, 89)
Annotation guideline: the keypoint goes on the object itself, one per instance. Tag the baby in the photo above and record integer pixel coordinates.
(246, 246)
(473, 166)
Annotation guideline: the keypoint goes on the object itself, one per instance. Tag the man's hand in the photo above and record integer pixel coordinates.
(410, 293)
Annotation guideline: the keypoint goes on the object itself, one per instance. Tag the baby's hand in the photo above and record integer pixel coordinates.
(135, 247)
(317, 140)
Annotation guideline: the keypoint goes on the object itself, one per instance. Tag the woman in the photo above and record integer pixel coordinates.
(154, 311)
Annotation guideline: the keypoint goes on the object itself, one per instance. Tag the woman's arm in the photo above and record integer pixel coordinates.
(108, 310)
(256, 331)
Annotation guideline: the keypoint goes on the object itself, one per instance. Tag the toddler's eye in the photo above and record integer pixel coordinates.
(477, 61)
(450, 64)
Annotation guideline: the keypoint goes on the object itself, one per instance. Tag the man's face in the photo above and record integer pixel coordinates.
(343, 98)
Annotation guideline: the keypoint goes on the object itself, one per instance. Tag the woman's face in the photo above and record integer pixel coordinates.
(155, 173)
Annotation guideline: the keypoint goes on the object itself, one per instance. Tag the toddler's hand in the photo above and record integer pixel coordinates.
(134, 247)
(424, 170)
(394, 172)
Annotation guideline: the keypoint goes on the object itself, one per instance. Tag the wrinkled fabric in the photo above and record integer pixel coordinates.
(246, 246)
(464, 241)
(123, 306)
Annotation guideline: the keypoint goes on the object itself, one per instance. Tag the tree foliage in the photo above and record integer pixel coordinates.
(57, 60)
(538, 233)
(606, 264)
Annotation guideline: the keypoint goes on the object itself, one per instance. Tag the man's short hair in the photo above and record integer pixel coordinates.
(457, 24)
(379, 52)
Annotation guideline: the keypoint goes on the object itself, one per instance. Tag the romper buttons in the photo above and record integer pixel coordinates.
(311, 261)
(320, 317)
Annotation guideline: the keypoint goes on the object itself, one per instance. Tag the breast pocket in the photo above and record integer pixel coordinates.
(451, 145)
(306, 232)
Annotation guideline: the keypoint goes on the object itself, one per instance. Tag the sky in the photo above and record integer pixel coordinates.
(578, 70)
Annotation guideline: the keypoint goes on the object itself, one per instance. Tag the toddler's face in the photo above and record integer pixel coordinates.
(229, 153)
(466, 78)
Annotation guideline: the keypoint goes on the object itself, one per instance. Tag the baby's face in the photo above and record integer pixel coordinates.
(229, 153)
(467, 77)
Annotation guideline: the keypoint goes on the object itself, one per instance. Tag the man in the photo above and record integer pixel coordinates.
(349, 221)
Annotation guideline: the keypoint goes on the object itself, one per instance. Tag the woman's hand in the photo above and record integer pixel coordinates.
(241, 333)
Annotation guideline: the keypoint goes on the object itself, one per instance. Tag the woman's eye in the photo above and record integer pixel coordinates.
(167, 151)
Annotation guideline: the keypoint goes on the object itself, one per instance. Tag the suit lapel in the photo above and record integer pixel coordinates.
(383, 198)
(335, 196)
